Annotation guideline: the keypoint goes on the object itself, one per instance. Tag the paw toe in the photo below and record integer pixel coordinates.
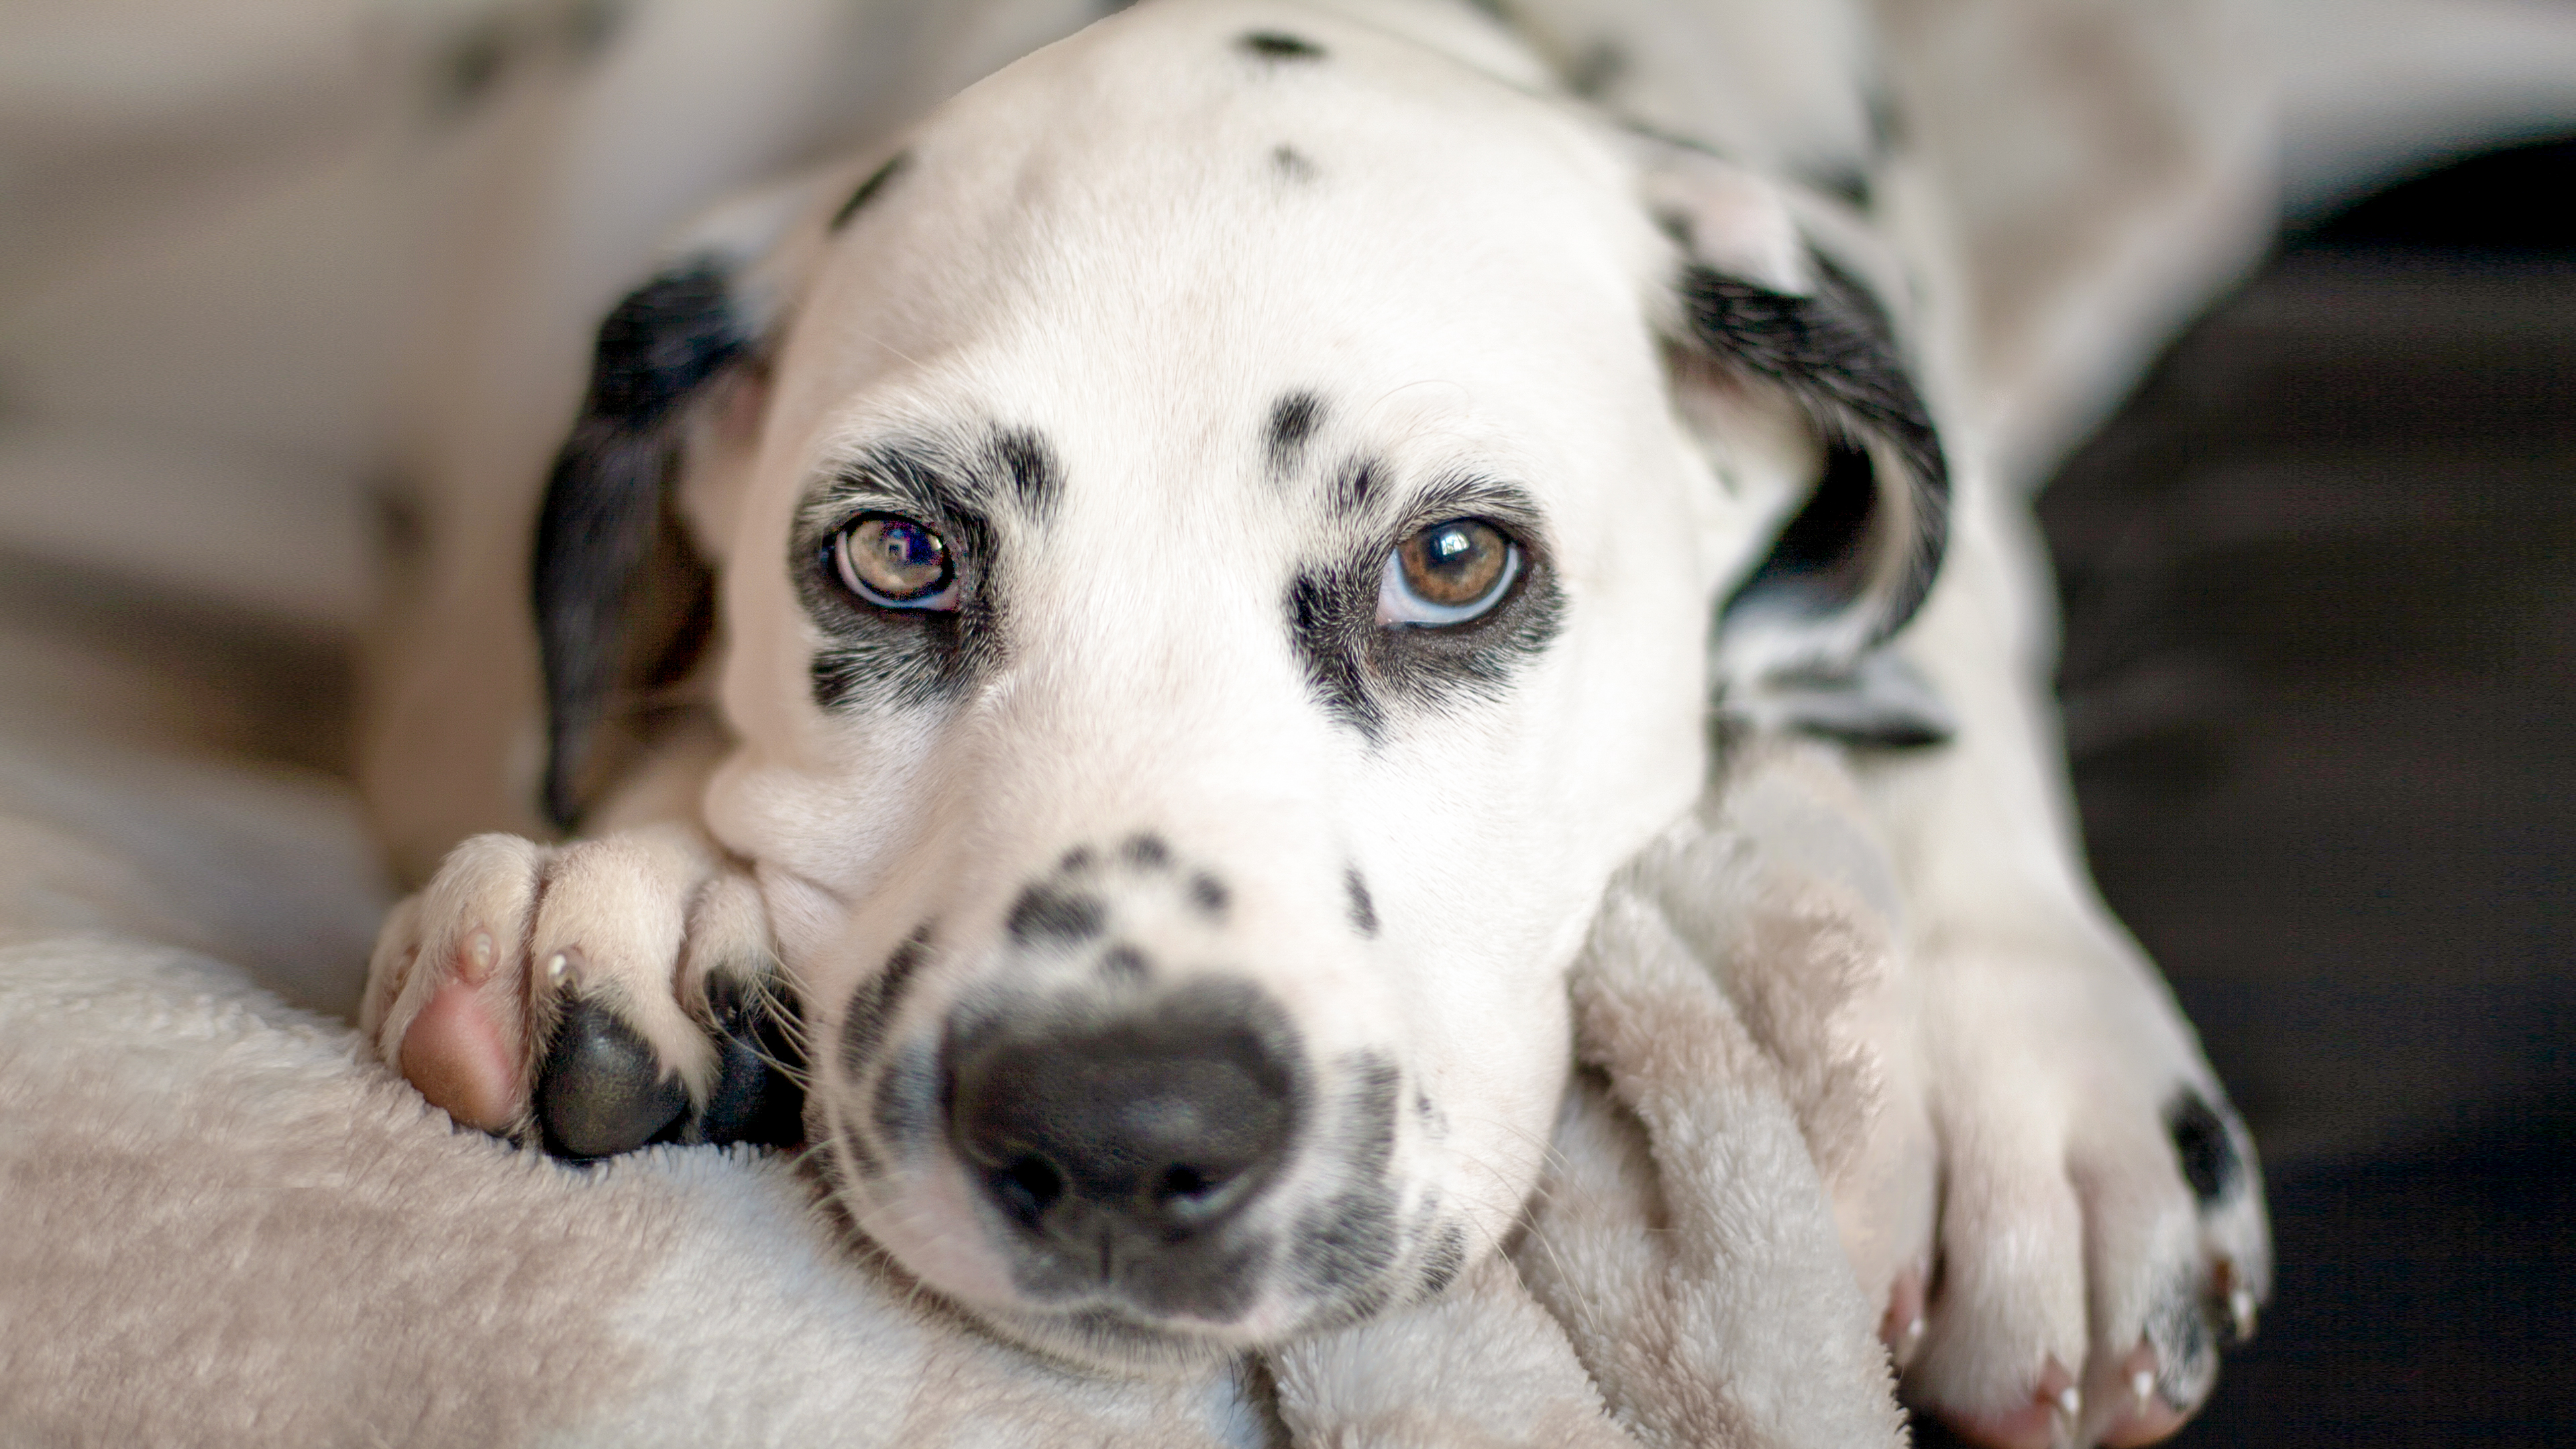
(602, 1090)
(454, 1054)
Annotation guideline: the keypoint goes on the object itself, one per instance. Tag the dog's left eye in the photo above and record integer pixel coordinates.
(895, 562)
(1448, 573)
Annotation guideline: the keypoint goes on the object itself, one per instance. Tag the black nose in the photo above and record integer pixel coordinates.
(1162, 1122)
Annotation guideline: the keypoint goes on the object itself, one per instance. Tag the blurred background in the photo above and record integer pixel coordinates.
(2318, 576)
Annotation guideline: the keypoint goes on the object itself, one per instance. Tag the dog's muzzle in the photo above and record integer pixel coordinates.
(1121, 1147)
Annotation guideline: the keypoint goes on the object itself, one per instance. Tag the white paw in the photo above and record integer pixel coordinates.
(593, 996)
(2101, 1231)
(2036, 1177)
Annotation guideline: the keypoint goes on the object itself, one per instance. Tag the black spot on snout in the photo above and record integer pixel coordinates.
(1209, 894)
(1363, 909)
(1044, 913)
(2206, 1149)
(1446, 1258)
(1279, 45)
(873, 1004)
(868, 190)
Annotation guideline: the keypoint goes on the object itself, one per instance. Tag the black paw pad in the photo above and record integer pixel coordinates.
(602, 1091)
(757, 1097)
(2205, 1146)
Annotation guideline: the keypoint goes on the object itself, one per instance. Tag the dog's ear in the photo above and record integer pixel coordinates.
(1758, 300)
(625, 603)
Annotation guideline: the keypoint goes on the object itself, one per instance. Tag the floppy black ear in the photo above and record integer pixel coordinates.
(623, 605)
(1792, 644)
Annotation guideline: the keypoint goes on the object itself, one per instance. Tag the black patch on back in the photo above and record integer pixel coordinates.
(1363, 909)
(2204, 1146)
(1293, 420)
(1291, 163)
(868, 189)
(1050, 913)
(1279, 45)
(1596, 70)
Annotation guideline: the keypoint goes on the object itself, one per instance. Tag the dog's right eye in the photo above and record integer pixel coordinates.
(895, 562)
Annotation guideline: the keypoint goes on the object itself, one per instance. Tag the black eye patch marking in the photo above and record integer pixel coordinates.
(868, 189)
(1279, 45)
(1293, 420)
(1360, 671)
(961, 491)
(1363, 909)
(1049, 913)
(2204, 1146)
(1291, 163)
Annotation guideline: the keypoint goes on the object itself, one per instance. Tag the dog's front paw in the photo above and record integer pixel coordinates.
(595, 996)
(2101, 1231)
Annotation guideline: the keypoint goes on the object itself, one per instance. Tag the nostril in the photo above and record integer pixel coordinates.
(1182, 1182)
(1028, 1186)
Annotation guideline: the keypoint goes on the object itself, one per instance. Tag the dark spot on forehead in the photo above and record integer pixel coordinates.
(1280, 45)
(1044, 913)
(1291, 163)
(1293, 420)
(1030, 468)
(1363, 909)
(868, 190)
(1353, 486)
(1124, 963)
(1075, 860)
(1147, 851)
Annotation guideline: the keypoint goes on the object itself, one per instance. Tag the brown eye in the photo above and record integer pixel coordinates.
(1447, 574)
(896, 563)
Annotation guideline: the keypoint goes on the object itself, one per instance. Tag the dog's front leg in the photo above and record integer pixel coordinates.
(596, 995)
(2100, 1219)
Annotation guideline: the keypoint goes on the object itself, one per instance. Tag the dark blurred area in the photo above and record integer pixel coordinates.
(2319, 585)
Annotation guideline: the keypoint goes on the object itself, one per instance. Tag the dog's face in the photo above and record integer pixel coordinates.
(1223, 572)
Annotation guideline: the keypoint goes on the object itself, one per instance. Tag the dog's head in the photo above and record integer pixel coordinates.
(1224, 541)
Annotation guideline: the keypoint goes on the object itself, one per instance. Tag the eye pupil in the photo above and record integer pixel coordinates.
(891, 560)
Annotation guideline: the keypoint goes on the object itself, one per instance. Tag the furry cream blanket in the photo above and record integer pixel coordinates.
(229, 1224)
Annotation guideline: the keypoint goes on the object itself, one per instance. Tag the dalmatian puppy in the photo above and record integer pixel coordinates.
(1101, 657)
